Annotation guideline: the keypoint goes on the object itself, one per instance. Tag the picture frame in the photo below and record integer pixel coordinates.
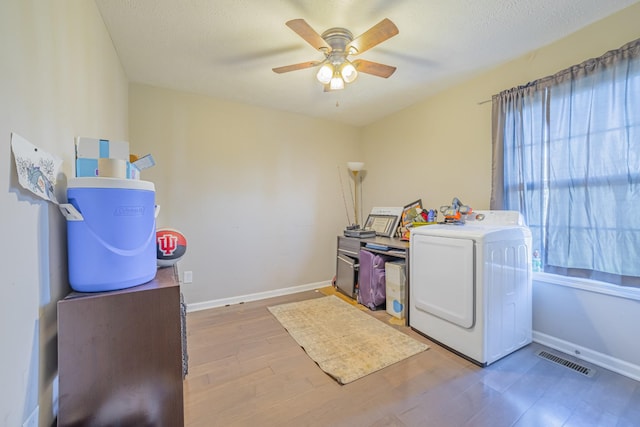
(409, 212)
(384, 225)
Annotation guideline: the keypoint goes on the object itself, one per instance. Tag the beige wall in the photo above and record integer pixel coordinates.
(255, 191)
(441, 147)
(60, 78)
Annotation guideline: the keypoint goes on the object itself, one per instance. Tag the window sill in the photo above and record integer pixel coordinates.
(589, 285)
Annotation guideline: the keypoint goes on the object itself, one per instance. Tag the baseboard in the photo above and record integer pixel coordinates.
(255, 297)
(600, 359)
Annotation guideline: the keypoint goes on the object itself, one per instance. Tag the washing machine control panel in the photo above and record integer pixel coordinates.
(496, 218)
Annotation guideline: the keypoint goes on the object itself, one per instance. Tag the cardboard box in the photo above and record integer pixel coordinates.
(90, 167)
(110, 159)
(94, 148)
(395, 288)
(89, 151)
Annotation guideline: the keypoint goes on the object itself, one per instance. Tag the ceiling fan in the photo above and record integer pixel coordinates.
(337, 44)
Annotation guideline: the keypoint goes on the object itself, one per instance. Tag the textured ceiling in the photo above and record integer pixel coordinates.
(227, 48)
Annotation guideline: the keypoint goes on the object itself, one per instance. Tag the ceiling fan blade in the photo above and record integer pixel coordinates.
(374, 68)
(310, 35)
(294, 67)
(375, 35)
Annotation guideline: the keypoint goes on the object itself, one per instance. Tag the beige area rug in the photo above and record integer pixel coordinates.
(330, 290)
(345, 342)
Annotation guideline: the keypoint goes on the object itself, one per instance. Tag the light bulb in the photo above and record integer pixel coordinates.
(325, 73)
(336, 82)
(348, 72)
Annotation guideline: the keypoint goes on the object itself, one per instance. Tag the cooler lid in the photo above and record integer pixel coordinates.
(106, 182)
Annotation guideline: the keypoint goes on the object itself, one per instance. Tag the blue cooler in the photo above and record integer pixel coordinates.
(111, 233)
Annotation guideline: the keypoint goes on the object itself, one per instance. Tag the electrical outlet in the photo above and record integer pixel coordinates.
(188, 277)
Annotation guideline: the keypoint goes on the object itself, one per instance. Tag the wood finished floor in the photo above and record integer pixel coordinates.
(245, 370)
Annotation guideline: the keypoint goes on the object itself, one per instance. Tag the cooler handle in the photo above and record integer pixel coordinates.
(70, 212)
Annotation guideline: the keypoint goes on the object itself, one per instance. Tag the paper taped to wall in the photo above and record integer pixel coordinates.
(37, 169)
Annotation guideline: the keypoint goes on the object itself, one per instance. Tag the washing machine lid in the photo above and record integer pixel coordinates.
(495, 226)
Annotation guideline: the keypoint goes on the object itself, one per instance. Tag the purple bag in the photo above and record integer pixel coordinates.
(371, 280)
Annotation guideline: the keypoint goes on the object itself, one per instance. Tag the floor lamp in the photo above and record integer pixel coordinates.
(355, 168)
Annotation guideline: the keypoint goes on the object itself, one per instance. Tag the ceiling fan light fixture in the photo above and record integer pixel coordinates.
(325, 74)
(336, 82)
(337, 44)
(348, 72)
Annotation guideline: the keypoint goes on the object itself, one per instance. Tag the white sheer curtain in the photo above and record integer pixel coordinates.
(567, 155)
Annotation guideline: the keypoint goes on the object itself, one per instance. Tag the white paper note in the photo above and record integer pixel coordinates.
(37, 169)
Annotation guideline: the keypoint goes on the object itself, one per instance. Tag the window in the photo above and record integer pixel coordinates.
(567, 155)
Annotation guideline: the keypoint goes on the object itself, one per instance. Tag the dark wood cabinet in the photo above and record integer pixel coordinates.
(120, 356)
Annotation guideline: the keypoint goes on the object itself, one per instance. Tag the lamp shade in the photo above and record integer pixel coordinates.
(348, 72)
(336, 82)
(325, 73)
(355, 166)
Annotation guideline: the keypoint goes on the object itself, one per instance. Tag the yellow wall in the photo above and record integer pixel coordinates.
(441, 147)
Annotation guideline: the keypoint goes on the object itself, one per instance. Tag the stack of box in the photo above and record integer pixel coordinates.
(101, 157)
(109, 159)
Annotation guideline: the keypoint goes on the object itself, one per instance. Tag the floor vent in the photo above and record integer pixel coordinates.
(589, 372)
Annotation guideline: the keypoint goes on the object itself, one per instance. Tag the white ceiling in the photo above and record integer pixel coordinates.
(227, 48)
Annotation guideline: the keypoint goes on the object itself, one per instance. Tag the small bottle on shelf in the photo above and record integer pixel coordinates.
(536, 264)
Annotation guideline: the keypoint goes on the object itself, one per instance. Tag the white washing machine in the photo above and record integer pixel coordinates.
(470, 285)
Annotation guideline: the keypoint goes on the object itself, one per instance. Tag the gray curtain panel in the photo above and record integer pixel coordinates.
(566, 153)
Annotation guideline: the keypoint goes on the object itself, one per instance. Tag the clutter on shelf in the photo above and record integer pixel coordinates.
(456, 213)
(413, 215)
